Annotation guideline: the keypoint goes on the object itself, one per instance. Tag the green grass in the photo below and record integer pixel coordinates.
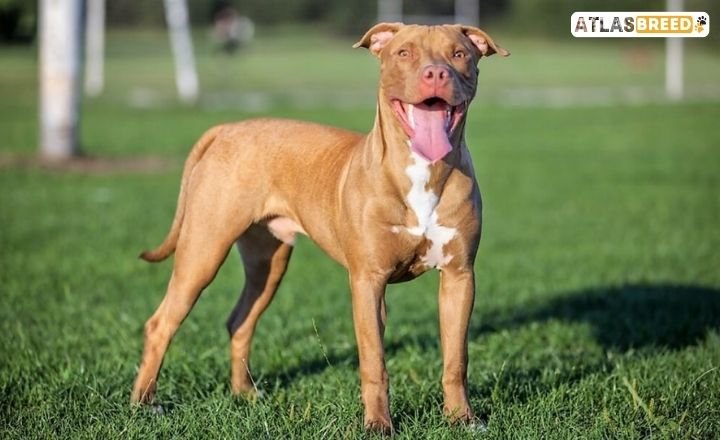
(597, 311)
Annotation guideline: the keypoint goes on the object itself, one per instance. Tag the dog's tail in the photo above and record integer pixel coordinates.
(167, 247)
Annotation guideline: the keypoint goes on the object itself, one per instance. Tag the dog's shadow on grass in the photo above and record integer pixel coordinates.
(631, 316)
(642, 317)
(621, 318)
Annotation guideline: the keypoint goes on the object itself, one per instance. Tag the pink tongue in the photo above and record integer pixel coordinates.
(430, 139)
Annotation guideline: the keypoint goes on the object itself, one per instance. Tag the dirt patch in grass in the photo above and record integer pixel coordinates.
(85, 164)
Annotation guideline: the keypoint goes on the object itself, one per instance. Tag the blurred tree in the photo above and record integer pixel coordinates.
(537, 17)
(18, 20)
(551, 17)
(354, 17)
(60, 62)
(94, 46)
(186, 78)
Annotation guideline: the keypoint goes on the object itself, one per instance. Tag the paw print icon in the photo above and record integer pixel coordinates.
(700, 23)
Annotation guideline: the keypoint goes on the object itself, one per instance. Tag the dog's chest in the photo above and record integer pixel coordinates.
(433, 236)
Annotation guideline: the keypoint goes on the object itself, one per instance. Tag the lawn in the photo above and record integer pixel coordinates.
(598, 300)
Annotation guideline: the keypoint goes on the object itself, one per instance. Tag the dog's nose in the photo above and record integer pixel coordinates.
(435, 75)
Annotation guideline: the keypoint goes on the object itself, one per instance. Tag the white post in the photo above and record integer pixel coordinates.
(60, 59)
(176, 14)
(467, 12)
(94, 46)
(674, 59)
(390, 10)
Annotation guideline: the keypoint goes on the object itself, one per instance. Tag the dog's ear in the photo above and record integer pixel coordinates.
(483, 42)
(378, 36)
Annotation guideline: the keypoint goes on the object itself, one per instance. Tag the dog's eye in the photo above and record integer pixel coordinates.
(403, 53)
(459, 54)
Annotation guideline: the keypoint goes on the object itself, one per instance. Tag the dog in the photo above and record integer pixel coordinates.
(388, 206)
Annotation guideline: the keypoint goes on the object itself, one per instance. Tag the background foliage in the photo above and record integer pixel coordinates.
(541, 17)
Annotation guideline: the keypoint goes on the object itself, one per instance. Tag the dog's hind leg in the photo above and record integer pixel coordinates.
(212, 223)
(265, 259)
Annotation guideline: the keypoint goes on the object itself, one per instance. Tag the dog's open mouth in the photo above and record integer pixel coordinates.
(429, 125)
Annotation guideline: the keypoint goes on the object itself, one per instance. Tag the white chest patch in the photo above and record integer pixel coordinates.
(424, 202)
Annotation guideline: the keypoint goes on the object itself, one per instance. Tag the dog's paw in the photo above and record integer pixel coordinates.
(463, 414)
(383, 427)
(250, 394)
(142, 396)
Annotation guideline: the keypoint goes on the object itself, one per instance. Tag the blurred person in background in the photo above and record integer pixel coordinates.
(231, 30)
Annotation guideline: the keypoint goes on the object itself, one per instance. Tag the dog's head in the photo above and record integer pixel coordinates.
(428, 76)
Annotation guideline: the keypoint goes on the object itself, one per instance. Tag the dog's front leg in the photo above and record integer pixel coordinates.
(456, 297)
(368, 303)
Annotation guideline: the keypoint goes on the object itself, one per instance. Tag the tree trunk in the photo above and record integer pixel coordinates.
(390, 10)
(467, 12)
(674, 59)
(94, 47)
(60, 60)
(176, 14)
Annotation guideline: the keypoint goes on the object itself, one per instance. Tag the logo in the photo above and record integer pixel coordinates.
(639, 24)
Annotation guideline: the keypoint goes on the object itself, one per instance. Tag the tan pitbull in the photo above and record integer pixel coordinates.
(388, 206)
